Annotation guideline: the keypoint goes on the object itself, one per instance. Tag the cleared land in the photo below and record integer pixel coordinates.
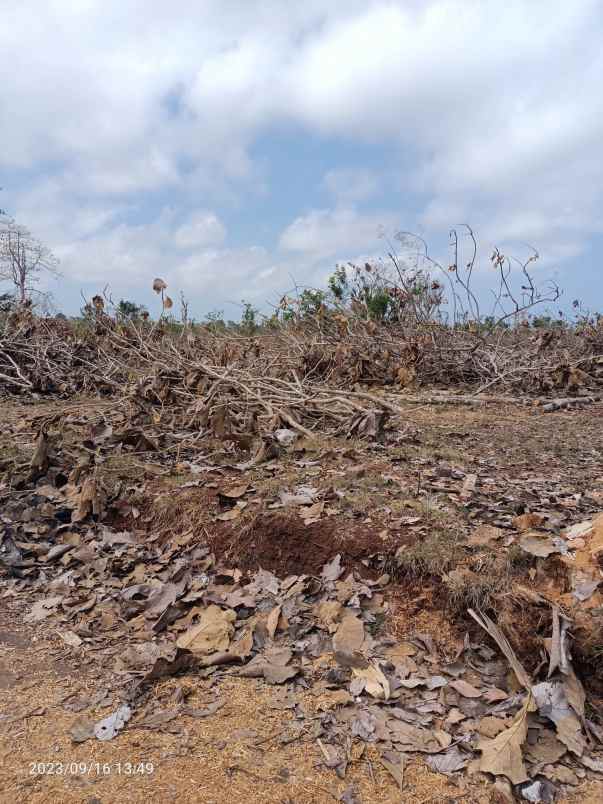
(272, 590)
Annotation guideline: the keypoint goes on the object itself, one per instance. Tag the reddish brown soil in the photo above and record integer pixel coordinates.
(282, 544)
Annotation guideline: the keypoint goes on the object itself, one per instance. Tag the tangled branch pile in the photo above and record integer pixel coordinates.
(311, 377)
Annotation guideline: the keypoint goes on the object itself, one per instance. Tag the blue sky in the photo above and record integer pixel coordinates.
(233, 147)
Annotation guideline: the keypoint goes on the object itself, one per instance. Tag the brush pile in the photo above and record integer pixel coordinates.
(310, 377)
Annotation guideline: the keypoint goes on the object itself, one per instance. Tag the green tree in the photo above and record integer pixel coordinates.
(249, 318)
(130, 310)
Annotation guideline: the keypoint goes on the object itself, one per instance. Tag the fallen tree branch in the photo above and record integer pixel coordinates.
(571, 402)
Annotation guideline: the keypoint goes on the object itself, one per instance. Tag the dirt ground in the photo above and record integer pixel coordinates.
(238, 752)
(377, 500)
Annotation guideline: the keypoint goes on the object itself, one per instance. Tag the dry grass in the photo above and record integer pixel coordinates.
(476, 590)
(432, 555)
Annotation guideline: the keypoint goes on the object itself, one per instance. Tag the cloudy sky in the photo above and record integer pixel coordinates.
(234, 147)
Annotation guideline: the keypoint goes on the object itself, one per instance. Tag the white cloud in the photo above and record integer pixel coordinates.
(190, 257)
(201, 229)
(125, 256)
(337, 232)
(228, 275)
(350, 185)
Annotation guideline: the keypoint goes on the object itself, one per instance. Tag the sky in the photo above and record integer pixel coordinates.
(240, 148)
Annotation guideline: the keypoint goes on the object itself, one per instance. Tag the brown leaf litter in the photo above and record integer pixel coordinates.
(282, 602)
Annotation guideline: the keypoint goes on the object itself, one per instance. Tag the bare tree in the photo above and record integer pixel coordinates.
(23, 260)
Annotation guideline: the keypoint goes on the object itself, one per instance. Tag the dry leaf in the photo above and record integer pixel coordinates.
(332, 570)
(595, 545)
(537, 544)
(546, 749)
(234, 492)
(491, 726)
(243, 645)
(332, 699)
(574, 692)
(328, 613)
(42, 609)
(375, 683)
(579, 530)
(279, 673)
(413, 738)
(454, 716)
(502, 756)
(272, 666)
(349, 636)
(528, 521)
(411, 683)
(401, 650)
(70, 638)
(585, 590)
(468, 487)
(465, 689)
(396, 770)
(312, 513)
(494, 694)
(159, 285)
(39, 460)
(212, 633)
(551, 698)
(448, 761)
(233, 513)
(503, 643)
(169, 665)
(272, 621)
(484, 535)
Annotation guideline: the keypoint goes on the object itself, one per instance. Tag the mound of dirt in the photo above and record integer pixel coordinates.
(283, 544)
